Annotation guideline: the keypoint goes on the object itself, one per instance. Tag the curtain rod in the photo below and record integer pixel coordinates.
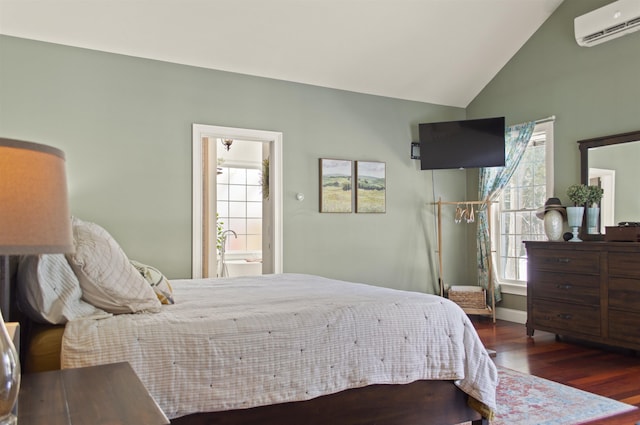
(543, 120)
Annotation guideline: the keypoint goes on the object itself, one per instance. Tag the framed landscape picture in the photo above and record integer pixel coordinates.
(371, 189)
(336, 180)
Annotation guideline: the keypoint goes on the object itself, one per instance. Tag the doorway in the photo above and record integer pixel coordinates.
(606, 179)
(256, 154)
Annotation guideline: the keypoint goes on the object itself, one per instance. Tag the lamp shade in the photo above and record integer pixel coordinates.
(34, 210)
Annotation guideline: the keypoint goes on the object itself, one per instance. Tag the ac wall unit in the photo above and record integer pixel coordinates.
(608, 22)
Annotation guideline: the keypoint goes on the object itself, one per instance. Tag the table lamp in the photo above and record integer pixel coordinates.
(34, 219)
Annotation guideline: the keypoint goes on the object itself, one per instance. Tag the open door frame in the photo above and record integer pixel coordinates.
(274, 230)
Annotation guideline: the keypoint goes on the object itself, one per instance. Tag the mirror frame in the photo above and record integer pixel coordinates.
(585, 145)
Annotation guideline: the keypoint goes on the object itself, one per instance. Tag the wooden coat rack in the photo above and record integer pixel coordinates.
(490, 309)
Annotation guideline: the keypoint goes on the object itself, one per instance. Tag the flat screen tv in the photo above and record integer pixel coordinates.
(462, 144)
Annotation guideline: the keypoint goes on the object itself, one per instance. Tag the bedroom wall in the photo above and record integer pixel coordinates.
(125, 125)
(592, 92)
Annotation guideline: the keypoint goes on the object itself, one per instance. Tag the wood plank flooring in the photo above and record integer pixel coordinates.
(607, 371)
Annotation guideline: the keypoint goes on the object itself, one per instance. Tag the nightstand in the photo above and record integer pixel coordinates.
(107, 394)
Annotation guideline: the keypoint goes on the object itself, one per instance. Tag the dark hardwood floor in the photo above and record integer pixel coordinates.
(607, 371)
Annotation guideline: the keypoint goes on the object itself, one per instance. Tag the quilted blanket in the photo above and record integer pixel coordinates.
(245, 342)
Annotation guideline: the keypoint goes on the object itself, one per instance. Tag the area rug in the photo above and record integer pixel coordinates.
(529, 400)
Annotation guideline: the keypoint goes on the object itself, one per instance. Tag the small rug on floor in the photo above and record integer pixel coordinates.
(529, 400)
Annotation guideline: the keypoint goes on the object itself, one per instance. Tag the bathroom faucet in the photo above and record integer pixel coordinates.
(223, 267)
(224, 239)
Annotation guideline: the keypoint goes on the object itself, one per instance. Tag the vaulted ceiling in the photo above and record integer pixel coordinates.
(437, 51)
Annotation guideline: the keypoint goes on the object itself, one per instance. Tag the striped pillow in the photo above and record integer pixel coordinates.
(107, 278)
(157, 280)
(49, 291)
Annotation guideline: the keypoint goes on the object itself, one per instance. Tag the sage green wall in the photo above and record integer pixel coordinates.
(125, 125)
(592, 91)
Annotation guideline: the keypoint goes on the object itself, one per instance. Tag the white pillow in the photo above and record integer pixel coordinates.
(107, 278)
(49, 291)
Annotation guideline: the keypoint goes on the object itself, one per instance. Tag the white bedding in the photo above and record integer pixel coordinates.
(244, 342)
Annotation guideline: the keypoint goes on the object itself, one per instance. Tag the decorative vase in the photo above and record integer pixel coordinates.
(574, 218)
(553, 225)
(592, 220)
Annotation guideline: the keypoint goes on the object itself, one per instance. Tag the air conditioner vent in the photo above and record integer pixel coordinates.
(608, 22)
(592, 37)
(615, 28)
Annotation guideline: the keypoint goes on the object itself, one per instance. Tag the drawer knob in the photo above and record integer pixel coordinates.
(566, 286)
(564, 316)
(563, 260)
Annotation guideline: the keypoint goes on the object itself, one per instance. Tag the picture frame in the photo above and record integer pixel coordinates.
(336, 185)
(371, 187)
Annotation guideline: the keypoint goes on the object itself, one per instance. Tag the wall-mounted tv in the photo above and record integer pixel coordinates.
(462, 144)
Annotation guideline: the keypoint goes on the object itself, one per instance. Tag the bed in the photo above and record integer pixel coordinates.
(294, 348)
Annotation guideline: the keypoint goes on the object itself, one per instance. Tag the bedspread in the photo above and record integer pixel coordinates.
(245, 342)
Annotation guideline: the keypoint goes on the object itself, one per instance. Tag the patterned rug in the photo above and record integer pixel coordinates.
(529, 400)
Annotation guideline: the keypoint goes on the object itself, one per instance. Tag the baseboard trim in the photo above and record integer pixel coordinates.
(511, 315)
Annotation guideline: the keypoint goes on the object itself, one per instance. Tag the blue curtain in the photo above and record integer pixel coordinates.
(492, 180)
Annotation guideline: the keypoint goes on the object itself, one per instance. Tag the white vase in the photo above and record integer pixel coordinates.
(553, 225)
(592, 220)
(574, 218)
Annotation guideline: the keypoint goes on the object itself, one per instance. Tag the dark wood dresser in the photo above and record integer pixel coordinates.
(587, 290)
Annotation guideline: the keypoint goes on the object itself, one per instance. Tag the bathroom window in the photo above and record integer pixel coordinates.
(514, 215)
(239, 206)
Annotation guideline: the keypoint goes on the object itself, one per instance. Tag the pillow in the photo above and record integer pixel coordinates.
(107, 278)
(157, 280)
(49, 291)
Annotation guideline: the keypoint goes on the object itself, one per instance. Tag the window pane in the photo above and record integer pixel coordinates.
(238, 225)
(522, 269)
(254, 242)
(510, 248)
(237, 176)
(254, 193)
(224, 176)
(237, 193)
(223, 192)
(237, 209)
(223, 209)
(254, 226)
(254, 209)
(253, 177)
(509, 269)
(237, 244)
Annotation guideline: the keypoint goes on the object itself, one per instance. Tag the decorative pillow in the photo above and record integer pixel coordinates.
(49, 291)
(157, 280)
(107, 278)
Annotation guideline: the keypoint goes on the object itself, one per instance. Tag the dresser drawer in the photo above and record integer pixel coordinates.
(577, 288)
(565, 261)
(624, 326)
(575, 319)
(624, 264)
(624, 294)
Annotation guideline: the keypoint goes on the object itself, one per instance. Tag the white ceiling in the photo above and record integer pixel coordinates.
(436, 51)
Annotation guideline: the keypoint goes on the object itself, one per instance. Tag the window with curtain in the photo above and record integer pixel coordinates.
(514, 217)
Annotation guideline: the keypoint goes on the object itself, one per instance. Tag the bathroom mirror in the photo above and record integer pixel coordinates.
(612, 162)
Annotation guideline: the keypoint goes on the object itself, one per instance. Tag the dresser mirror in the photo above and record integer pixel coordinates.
(612, 162)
